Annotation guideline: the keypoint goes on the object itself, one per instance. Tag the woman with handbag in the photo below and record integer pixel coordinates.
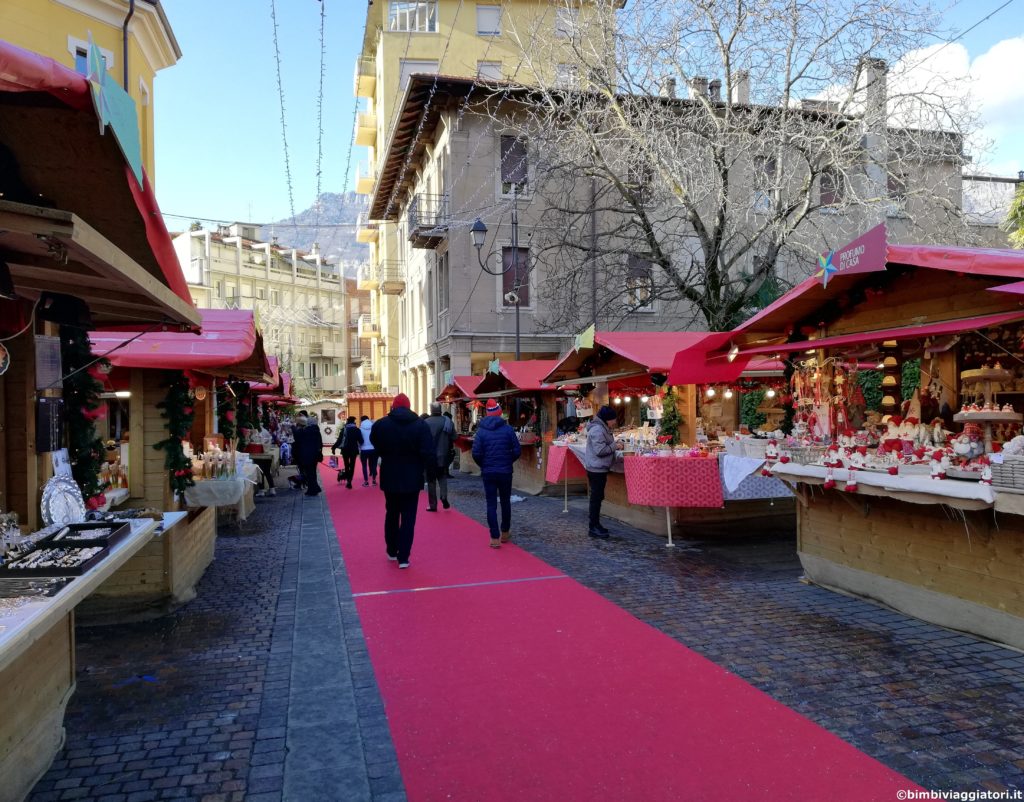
(349, 441)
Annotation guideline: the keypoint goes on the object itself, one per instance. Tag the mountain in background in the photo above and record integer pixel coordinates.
(337, 229)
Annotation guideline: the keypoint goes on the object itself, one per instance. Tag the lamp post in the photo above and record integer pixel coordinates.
(478, 232)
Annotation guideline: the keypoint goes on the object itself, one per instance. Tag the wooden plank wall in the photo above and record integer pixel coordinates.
(922, 546)
(190, 550)
(156, 491)
(36, 689)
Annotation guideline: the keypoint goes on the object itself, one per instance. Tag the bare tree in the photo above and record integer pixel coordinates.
(792, 134)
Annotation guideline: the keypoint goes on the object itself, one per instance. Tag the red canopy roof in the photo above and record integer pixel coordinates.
(229, 344)
(525, 376)
(900, 333)
(96, 183)
(272, 386)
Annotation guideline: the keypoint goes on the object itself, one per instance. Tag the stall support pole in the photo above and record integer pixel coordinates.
(668, 521)
(565, 503)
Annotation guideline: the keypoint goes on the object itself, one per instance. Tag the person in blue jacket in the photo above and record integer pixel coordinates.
(495, 449)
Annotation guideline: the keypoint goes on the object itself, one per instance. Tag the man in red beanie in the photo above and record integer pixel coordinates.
(405, 448)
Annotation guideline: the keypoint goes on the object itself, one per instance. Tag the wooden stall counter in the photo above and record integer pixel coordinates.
(37, 669)
(947, 556)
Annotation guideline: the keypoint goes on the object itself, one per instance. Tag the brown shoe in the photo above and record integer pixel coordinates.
(506, 537)
(495, 543)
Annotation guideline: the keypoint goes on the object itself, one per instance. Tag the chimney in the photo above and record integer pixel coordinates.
(715, 91)
(668, 87)
(873, 73)
(698, 87)
(871, 76)
(741, 88)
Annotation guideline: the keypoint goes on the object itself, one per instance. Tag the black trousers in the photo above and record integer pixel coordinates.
(309, 475)
(400, 523)
(349, 460)
(597, 482)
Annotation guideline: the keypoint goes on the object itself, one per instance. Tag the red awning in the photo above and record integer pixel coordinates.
(460, 387)
(63, 158)
(643, 352)
(902, 333)
(525, 376)
(272, 386)
(229, 344)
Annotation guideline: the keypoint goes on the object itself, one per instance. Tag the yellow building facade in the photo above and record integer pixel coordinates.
(60, 29)
(462, 38)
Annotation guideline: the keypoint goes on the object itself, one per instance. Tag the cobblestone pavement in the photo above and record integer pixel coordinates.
(941, 707)
(260, 689)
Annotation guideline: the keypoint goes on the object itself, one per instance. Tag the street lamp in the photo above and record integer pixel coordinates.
(478, 232)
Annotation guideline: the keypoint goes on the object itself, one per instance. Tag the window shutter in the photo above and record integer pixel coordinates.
(488, 20)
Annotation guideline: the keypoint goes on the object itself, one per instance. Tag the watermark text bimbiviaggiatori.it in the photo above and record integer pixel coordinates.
(962, 796)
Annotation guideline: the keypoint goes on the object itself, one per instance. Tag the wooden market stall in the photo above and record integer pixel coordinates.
(630, 371)
(82, 244)
(876, 516)
(532, 408)
(164, 574)
(459, 396)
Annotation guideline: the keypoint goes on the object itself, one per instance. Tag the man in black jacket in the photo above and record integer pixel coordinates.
(406, 449)
(308, 451)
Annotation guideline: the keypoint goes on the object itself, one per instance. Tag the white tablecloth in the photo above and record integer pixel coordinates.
(952, 488)
(234, 493)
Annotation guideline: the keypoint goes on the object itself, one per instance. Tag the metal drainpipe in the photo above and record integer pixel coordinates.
(124, 41)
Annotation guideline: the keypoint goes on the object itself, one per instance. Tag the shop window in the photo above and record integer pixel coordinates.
(515, 281)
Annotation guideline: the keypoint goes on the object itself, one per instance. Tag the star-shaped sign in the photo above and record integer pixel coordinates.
(827, 268)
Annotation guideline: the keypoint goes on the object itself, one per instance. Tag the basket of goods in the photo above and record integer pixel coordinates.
(755, 446)
(1009, 473)
(806, 455)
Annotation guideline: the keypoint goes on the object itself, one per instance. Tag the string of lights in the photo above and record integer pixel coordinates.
(280, 94)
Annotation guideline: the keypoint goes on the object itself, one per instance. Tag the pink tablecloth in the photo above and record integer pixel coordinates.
(560, 460)
(673, 482)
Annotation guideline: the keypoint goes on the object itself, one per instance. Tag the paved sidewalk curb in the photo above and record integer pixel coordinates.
(325, 736)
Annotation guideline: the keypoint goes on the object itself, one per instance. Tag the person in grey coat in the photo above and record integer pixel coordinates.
(442, 430)
(600, 455)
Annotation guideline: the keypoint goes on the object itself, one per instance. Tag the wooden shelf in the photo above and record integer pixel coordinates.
(985, 375)
(988, 417)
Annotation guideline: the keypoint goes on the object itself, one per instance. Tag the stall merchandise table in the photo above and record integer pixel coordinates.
(752, 486)
(673, 482)
(233, 495)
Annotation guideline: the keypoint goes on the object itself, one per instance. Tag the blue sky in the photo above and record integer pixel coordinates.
(218, 129)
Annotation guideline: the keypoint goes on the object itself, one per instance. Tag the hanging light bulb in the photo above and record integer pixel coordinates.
(771, 392)
(628, 398)
(728, 392)
(644, 399)
(616, 400)
(711, 392)
(881, 366)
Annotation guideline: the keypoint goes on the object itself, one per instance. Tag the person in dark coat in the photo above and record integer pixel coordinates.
(309, 452)
(598, 459)
(442, 430)
(349, 442)
(495, 449)
(406, 449)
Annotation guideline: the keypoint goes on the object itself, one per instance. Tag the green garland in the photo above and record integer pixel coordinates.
(226, 415)
(671, 420)
(83, 407)
(177, 410)
(244, 420)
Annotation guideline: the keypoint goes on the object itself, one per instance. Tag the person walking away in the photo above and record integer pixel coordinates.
(451, 451)
(297, 480)
(309, 452)
(598, 460)
(442, 430)
(495, 449)
(349, 442)
(367, 453)
(406, 449)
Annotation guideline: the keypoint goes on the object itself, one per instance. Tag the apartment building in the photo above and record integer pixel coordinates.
(308, 311)
(407, 37)
(60, 29)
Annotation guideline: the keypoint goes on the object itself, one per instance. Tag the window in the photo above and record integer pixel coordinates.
(764, 181)
(79, 50)
(640, 284)
(567, 76)
(275, 297)
(442, 282)
(81, 61)
(567, 22)
(514, 165)
(261, 293)
(488, 20)
(832, 191)
(302, 369)
(410, 67)
(516, 278)
(415, 16)
(220, 289)
(431, 309)
(897, 189)
(488, 70)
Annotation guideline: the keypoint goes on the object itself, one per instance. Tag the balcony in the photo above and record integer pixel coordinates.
(357, 356)
(326, 349)
(368, 327)
(365, 230)
(365, 81)
(366, 129)
(366, 278)
(428, 220)
(365, 178)
(391, 278)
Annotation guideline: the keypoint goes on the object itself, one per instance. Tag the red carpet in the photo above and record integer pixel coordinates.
(544, 690)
